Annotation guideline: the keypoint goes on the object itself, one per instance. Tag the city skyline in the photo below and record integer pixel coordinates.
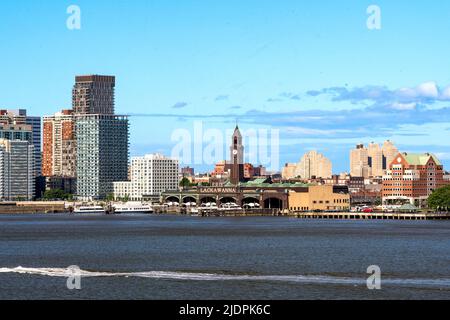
(327, 84)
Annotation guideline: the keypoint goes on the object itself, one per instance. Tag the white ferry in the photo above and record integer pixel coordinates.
(230, 206)
(89, 209)
(132, 207)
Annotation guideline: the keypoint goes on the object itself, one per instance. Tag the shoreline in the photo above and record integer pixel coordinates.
(305, 216)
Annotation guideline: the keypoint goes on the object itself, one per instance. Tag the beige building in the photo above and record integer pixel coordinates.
(320, 198)
(288, 171)
(312, 164)
(389, 152)
(375, 154)
(359, 162)
(372, 161)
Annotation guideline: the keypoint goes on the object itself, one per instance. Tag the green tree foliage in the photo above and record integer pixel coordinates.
(57, 194)
(185, 183)
(440, 198)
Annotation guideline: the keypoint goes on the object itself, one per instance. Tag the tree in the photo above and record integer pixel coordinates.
(57, 194)
(185, 183)
(440, 198)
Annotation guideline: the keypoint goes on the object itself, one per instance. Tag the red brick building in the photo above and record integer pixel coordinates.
(58, 156)
(412, 178)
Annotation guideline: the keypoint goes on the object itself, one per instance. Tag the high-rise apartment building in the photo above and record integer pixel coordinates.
(314, 164)
(13, 126)
(359, 162)
(93, 94)
(150, 176)
(376, 162)
(101, 137)
(390, 151)
(372, 161)
(101, 153)
(412, 178)
(59, 145)
(17, 178)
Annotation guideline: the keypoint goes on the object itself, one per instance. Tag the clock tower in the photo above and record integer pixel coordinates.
(237, 158)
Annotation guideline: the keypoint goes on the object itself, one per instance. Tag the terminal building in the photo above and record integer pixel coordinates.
(260, 192)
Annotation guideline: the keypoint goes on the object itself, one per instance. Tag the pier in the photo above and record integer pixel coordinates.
(374, 216)
(306, 215)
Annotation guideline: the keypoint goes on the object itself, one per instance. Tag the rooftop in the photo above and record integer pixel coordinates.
(420, 159)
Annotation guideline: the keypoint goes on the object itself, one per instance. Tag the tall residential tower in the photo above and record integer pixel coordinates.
(101, 137)
(93, 94)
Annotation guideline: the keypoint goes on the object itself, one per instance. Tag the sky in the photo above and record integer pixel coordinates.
(310, 72)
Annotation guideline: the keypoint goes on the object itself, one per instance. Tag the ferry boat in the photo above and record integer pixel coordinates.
(132, 207)
(230, 206)
(89, 209)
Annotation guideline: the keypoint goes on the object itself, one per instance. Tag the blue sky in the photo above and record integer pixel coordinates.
(311, 69)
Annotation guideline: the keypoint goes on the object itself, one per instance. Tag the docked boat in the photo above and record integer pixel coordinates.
(90, 210)
(132, 207)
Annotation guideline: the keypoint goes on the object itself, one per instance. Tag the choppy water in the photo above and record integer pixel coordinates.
(165, 257)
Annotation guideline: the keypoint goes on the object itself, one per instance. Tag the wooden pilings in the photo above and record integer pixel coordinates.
(374, 216)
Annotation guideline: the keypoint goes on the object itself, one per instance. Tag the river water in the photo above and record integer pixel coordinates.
(173, 257)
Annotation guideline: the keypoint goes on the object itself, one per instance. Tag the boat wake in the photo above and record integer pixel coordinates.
(442, 283)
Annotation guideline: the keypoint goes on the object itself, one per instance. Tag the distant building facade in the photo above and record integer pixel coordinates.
(66, 184)
(101, 153)
(93, 94)
(249, 171)
(320, 198)
(372, 161)
(101, 137)
(312, 164)
(59, 145)
(187, 172)
(15, 124)
(412, 178)
(17, 177)
(151, 175)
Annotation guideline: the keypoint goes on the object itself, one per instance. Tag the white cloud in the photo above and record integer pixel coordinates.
(443, 155)
(427, 90)
(445, 95)
(403, 106)
(407, 93)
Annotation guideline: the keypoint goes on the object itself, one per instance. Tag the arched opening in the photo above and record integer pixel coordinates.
(229, 203)
(208, 202)
(250, 203)
(273, 203)
(226, 200)
(173, 201)
(189, 201)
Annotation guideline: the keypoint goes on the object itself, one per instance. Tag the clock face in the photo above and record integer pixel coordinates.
(235, 152)
(399, 160)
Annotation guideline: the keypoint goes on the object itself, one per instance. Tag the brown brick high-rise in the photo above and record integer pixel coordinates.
(93, 94)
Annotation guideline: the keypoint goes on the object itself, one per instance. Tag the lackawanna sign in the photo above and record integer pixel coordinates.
(218, 190)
